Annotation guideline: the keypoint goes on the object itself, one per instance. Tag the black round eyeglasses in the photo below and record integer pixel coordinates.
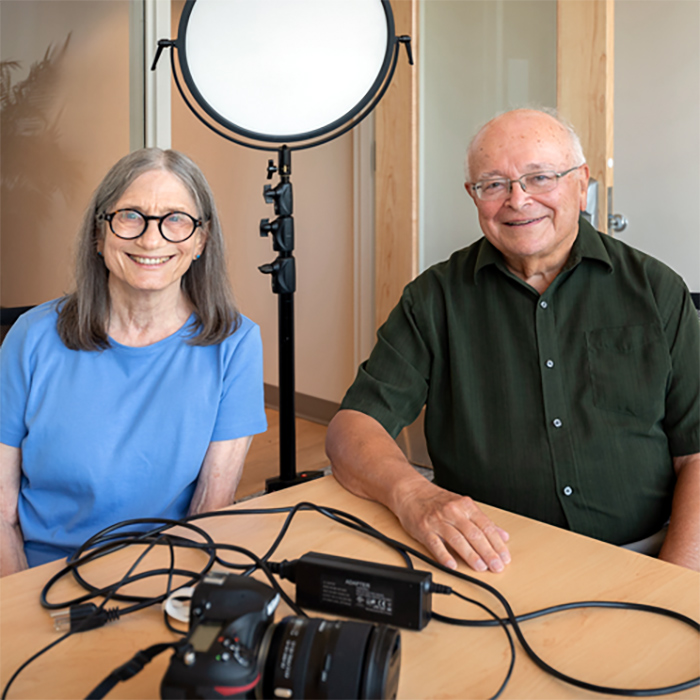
(175, 226)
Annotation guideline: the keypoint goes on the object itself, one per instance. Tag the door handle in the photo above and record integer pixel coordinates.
(616, 222)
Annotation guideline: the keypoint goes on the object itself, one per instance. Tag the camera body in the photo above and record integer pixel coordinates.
(229, 615)
(235, 650)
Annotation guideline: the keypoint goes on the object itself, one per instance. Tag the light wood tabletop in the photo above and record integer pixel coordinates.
(615, 648)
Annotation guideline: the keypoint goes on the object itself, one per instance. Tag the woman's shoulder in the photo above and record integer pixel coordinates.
(243, 345)
(246, 325)
(244, 328)
(33, 339)
(35, 323)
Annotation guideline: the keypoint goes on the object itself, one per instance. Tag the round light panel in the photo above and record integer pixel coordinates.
(284, 70)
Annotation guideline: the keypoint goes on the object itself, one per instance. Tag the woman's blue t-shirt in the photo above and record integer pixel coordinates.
(119, 433)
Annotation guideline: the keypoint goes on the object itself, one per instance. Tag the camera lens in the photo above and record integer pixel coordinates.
(330, 659)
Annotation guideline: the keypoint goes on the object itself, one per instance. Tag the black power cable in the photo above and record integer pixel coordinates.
(109, 540)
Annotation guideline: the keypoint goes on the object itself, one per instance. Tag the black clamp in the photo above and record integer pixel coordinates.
(162, 44)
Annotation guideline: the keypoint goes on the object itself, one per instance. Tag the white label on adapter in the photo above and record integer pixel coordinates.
(359, 594)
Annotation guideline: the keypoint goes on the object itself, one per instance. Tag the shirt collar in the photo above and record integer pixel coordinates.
(588, 244)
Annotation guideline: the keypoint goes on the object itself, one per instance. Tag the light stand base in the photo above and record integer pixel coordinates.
(278, 483)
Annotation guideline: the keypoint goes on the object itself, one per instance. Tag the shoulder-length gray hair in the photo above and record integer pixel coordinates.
(83, 316)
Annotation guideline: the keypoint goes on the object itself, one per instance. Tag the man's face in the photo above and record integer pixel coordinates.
(532, 231)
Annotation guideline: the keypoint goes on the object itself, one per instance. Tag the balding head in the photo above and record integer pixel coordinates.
(529, 123)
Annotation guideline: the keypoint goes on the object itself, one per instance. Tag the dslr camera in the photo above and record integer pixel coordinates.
(235, 650)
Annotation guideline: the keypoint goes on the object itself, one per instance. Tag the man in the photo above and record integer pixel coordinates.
(558, 367)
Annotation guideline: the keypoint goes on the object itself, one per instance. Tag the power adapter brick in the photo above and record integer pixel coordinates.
(392, 595)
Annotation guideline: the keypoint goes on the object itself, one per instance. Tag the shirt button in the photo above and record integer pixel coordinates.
(556, 423)
(544, 304)
(568, 490)
(550, 363)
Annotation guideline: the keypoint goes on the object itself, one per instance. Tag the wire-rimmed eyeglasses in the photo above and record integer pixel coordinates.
(532, 183)
(175, 226)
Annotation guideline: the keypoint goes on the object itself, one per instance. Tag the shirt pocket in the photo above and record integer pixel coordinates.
(629, 369)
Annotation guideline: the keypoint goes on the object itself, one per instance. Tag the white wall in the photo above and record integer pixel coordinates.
(657, 130)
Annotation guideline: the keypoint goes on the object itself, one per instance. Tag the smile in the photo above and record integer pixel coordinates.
(524, 223)
(150, 261)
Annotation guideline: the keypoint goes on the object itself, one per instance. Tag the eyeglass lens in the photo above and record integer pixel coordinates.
(534, 183)
(176, 226)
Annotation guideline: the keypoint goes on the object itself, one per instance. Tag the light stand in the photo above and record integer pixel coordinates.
(283, 271)
(265, 74)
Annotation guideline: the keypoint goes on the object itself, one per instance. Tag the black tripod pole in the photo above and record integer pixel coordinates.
(287, 416)
(283, 271)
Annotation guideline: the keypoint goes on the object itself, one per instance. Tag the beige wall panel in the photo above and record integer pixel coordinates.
(322, 179)
(396, 218)
(60, 137)
(585, 83)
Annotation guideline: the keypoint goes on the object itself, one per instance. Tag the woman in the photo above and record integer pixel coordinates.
(138, 394)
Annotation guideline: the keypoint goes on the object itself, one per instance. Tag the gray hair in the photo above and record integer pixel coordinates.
(84, 314)
(576, 148)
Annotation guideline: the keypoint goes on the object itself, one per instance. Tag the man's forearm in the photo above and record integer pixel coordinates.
(356, 444)
(12, 557)
(368, 462)
(682, 544)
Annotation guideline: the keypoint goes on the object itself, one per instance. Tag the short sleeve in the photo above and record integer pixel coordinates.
(15, 378)
(242, 404)
(682, 420)
(392, 385)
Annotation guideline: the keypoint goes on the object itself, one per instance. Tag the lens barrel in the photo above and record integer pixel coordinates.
(326, 659)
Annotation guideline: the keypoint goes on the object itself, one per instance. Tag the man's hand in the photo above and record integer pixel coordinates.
(447, 523)
(368, 462)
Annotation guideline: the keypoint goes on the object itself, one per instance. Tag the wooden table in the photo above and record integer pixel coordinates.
(550, 566)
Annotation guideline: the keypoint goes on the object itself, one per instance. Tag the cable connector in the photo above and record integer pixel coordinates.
(439, 588)
(80, 618)
(284, 569)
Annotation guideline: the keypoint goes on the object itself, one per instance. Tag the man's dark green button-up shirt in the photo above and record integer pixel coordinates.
(567, 406)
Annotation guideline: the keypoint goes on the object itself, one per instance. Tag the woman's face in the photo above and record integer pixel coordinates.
(150, 264)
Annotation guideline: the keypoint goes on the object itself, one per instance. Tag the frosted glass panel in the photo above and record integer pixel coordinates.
(64, 122)
(478, 57)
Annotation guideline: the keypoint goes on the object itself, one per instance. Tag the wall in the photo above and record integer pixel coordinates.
(60, 137)
(322, 180)
(657, 132)
(80, 127)
(476, 58)
(657, 103)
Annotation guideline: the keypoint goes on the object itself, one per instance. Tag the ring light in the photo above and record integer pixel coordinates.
(283, 75)
(280, 71)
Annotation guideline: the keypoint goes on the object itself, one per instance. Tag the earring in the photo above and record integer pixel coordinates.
(99, 252)
(198, 256)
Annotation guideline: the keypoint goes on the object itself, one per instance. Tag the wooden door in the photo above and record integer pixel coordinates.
(396, 173)
(585, 72)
